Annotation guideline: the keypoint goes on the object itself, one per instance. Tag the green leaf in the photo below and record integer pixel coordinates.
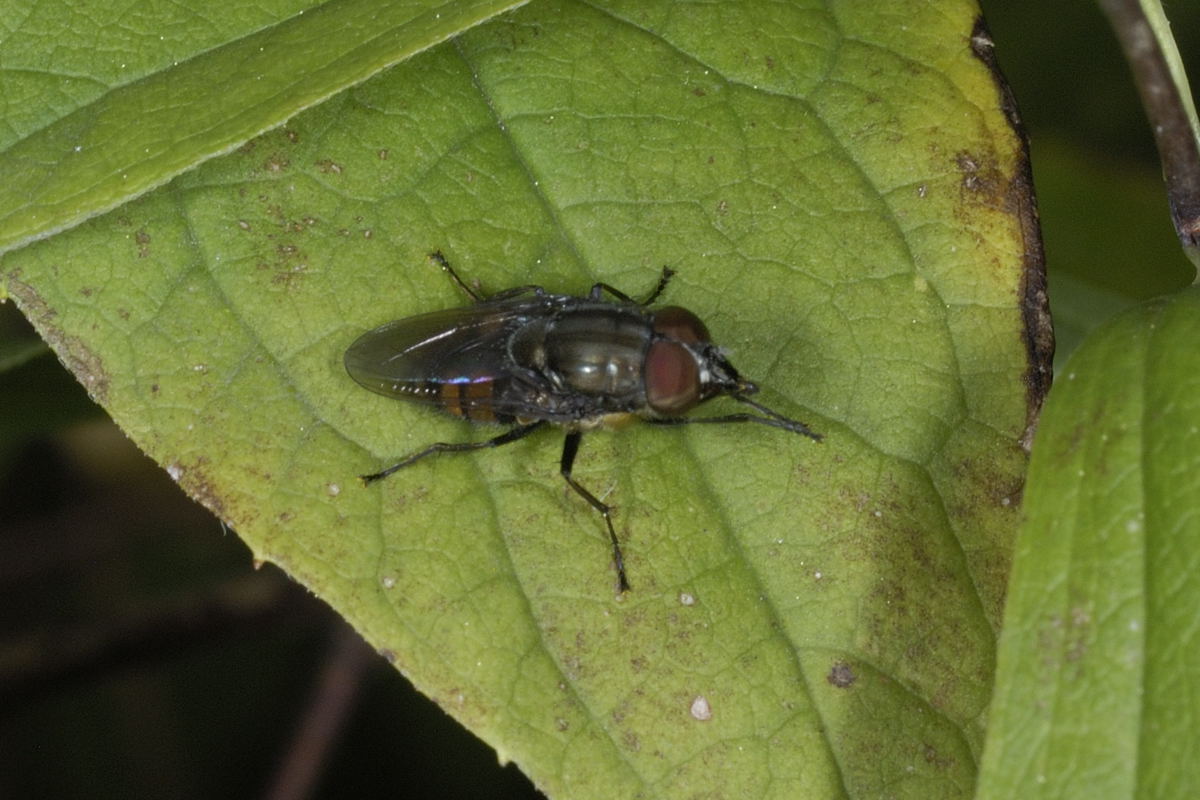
(121, 127)
(842, 197)
(1099, 653)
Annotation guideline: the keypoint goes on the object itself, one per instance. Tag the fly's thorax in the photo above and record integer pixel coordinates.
(598, 351)
(587, 364)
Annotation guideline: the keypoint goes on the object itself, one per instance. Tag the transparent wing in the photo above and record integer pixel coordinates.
(416, 358)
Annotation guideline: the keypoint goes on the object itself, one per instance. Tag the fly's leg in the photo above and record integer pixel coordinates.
(437, 256)
(442, 262)
(663, 280)
(456, 447)
(775, 421)
(570, 449)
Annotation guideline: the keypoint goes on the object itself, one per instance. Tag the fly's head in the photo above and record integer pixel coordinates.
(684, 368)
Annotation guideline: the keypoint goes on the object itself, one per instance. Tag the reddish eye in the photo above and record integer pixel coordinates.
(672, 378)
(680, 324)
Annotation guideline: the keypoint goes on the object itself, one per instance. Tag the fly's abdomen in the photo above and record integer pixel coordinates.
(475, 400)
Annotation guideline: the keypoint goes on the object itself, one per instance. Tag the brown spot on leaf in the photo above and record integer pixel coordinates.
(841, 675)
(194, 479)
(936, 759)
(72, 351)
(981, 177)
(85, 364)
(290, 265)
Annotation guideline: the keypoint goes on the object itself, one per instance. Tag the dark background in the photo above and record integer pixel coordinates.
(142, 655)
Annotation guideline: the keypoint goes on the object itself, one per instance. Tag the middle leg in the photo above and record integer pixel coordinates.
(570, 449)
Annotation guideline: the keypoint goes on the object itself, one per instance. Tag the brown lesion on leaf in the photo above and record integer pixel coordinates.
(291, 263)
(275, 163)
(142, 238)
(72, 351)
(1017, 197)
(935, 759)
(981, 177)
(192, 476)
(841, 675)
(85, 364)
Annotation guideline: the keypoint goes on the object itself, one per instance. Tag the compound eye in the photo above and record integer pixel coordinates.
(680, 324)
(672, 378)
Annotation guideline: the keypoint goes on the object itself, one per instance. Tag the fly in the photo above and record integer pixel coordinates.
(528, 359)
